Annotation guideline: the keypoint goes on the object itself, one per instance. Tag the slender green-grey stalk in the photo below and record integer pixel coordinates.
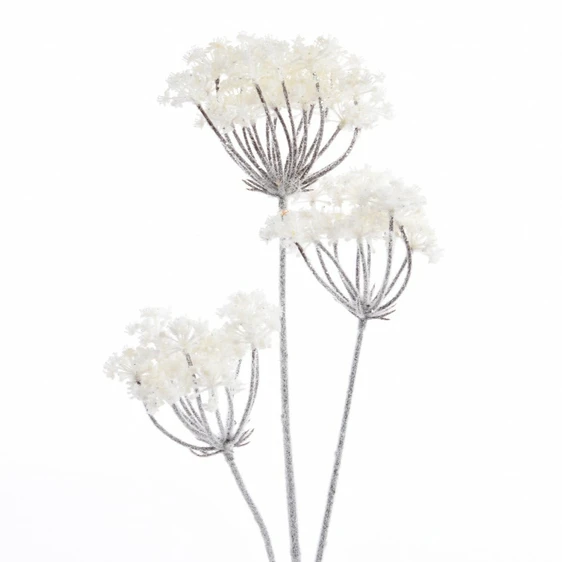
(285, 413)
(341, 442)
(229, 457)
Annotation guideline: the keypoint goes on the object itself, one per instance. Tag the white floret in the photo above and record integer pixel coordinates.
(251, 319)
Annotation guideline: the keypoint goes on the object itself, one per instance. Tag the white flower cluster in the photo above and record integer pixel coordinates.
(356, 205)
(222, 79)
(179, 357)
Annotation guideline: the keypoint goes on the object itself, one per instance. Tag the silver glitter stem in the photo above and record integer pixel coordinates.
(339, 451)
(285, 413)
(229, 457)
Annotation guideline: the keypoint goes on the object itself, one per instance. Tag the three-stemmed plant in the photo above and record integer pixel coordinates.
(280, 110)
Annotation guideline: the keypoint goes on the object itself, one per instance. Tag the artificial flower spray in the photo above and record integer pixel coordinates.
(288, 114)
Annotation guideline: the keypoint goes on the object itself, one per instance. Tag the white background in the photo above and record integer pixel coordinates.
(111, 203)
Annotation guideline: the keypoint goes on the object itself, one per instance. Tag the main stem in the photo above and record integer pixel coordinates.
(341, 441)
(259, 520)
(285, 414)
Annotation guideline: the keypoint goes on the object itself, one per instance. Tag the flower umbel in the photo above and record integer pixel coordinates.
(271, 104)
(367, 208)
(195, 370)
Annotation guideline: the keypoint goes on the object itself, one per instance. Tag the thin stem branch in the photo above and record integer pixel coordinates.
(229, 457)
(328, 276)
(334, 292)
(190, 424)
(330, 141)
(345, 279)
(205, 423)
(174, 438)
(189, 408)
(304, 140)
(315, 147)
(272, 125)
(317, 175)
(366, 271)
(251, 395)
(341, 441)
(408, 261)
(230, 415)
(390, 244)
(396, 277)
(289, 158)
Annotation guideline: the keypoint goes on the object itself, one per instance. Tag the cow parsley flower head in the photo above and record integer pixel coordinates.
(271, 104)
(368, 209)
(185, 364)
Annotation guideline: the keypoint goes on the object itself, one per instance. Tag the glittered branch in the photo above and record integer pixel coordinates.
(316, 176)
(327, 274)
(176, 439)
(255, 512)
(341, 442)
(360, 296)
(390, 247)
(330, 287)
(312, 155)
(330, 141)
(408, 262)
(336, 261)
(251, 395)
